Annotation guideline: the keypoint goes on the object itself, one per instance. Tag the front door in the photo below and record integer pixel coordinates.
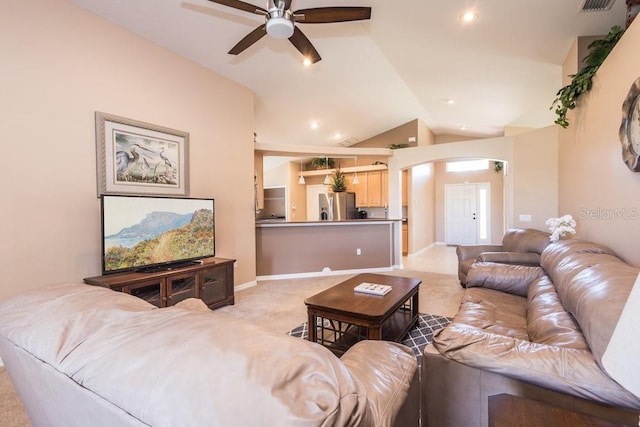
(467, 217)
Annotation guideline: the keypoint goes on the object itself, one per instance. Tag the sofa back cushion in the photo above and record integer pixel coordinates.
(172, 366)
(547, 320)
(593, 284)
(525, 240)
(513, 279)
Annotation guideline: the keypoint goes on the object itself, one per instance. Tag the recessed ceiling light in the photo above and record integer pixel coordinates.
(451, 101)
(469, 16)
(338, 135)
(307, 62)
(463, 127)
(314, 125)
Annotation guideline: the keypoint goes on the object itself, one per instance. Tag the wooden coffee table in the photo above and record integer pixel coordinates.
(343, 317)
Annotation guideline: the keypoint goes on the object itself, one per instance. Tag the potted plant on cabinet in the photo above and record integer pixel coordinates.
(338, 184)
(322, 163)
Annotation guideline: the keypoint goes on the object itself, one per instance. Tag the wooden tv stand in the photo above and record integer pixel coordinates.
(211, 281)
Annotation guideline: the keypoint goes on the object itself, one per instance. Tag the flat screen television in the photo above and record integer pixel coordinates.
(155, 233)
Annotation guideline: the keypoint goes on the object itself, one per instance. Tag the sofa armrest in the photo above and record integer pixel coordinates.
(516, 258)
(562, 369)
(473, 251)
(513, 279)
(389, 373)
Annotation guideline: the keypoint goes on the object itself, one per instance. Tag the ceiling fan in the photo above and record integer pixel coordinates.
(280, 23)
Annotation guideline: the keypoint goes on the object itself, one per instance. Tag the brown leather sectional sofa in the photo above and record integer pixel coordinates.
(520, 246)
(81, 355)
(532, 331)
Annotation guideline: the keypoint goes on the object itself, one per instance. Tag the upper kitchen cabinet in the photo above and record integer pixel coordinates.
(405, 187)
(372, 191)
(258, 183)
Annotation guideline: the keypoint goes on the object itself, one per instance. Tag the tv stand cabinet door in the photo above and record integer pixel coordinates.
(216, 285)
(181, 287)
(153, 291)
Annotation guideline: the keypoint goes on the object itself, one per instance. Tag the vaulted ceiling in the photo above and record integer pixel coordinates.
(406, 62)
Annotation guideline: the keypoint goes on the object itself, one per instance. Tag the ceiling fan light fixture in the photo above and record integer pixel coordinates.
(280, 25)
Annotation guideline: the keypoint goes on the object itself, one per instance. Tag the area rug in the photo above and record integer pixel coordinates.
(416, 339)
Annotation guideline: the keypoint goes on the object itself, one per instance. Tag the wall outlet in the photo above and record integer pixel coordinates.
(525, 218)
(358, 251)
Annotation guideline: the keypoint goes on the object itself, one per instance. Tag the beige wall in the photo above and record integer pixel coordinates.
(422, 207)
(60, 64)
(534, 170)
(531, 186)
(495, 181)
(595, 186)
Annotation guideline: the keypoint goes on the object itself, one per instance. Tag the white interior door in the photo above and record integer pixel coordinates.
(467, 215)
(313, 203)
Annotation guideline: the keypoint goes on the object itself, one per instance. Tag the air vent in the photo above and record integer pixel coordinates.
(596, 5)
(348, 142)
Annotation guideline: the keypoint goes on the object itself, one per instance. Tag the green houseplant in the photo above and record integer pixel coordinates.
(322, 163)
(338, 184)
(582, 81)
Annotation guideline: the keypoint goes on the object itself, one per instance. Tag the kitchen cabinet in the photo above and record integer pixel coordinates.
(405, 187)
(372, 191)
(258, 182)
(405, 238)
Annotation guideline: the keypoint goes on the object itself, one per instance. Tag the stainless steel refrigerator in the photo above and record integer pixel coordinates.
(338, 206)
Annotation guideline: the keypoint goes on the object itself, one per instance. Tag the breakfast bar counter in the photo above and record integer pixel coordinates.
(293, 248)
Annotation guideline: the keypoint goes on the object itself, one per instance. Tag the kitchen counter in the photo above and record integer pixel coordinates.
(305, 247)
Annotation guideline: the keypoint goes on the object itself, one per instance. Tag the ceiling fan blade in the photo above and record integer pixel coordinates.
(237, 4)
(323, 15)
(302, 43)
(249, 39)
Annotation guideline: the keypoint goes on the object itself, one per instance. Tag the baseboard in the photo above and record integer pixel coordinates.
(246, 285)
(426, 248)
(324, 273)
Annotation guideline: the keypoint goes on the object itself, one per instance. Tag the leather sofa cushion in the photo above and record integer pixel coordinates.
(525, 240)
(494, 311)
(566, 370)
(547, 320)
(513, 279)
(172, 366)
(516, 258)
(593, 285)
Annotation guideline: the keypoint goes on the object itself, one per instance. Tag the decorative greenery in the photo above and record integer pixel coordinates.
(581, 82)
(338, 185)
(396, 146)
(322, 163)
(498, 166)
(377, 162)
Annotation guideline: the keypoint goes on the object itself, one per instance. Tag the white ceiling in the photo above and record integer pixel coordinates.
(405, 63)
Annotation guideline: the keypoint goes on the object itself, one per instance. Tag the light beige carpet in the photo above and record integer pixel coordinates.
(278, 305)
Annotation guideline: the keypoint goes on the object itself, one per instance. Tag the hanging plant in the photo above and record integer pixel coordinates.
(581, 82)
(396, 146)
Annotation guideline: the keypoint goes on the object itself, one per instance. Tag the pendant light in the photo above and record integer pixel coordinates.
(327, 179)
(301, 178)
(355, 181)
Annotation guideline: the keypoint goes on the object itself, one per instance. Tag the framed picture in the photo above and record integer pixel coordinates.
(140, 158)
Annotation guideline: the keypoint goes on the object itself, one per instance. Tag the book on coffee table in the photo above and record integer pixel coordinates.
(372, 288)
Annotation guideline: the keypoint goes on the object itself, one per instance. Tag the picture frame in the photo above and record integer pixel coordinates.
(138, 158)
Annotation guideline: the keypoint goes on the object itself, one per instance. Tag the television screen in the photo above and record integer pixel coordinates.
(148, 233)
